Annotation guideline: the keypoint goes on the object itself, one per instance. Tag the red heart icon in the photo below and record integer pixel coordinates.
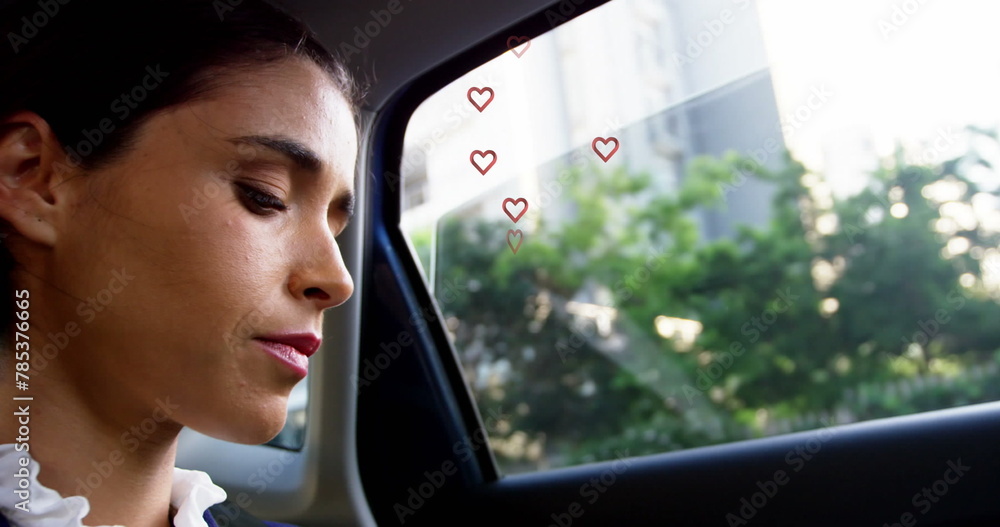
(480, 91)
(472, 159)
(515, 202)
(512, 233)
(519, 40)
(605, 143)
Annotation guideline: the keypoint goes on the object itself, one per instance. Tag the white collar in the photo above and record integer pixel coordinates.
(192, 494)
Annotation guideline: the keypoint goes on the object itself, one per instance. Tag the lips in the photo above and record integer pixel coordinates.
(304, 343)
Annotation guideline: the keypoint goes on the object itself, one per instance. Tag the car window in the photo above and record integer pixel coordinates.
(665, 224)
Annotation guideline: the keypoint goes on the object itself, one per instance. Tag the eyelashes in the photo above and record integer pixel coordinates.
(258, 201)
(262, 203)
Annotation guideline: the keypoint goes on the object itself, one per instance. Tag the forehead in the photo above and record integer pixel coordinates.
(293, 98)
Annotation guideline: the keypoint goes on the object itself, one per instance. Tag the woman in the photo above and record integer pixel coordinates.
(173, 176)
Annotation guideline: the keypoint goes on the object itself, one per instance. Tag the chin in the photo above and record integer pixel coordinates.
(247, 428)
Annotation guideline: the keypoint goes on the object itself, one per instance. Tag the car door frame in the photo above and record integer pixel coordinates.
(424, 457)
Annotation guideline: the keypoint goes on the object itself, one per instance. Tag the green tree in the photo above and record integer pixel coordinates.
(846, 309)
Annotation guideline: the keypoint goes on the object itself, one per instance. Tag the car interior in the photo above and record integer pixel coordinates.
(655, 262)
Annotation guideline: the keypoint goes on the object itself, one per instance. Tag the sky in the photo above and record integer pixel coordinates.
(909, 70)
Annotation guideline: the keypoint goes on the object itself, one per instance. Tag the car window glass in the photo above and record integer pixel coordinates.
(667, 224)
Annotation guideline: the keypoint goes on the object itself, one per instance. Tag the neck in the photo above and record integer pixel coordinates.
(120, 456)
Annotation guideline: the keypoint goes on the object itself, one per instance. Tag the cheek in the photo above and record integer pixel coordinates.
(196, 293)
(220, 260)
(194, 230)
(230, 265)
(191, 248)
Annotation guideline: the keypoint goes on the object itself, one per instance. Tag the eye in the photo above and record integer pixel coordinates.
(259, 201)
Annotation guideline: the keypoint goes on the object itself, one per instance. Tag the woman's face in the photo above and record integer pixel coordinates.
(174, 259)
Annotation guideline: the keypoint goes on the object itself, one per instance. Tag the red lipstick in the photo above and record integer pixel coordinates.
(292, 349)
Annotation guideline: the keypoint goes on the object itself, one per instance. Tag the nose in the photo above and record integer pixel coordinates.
(322, 277)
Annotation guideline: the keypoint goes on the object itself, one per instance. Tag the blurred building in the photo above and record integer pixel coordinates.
(670, 79)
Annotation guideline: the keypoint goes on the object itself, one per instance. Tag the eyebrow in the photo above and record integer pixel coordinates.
(303, 158)
(298, 153)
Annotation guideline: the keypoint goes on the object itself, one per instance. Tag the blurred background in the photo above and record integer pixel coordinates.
(799, 228)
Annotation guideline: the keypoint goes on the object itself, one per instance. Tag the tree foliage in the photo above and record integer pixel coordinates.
(839, 309)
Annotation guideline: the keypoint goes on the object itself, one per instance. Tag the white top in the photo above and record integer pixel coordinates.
(193, 493)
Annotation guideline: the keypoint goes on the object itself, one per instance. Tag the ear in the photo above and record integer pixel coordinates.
(32, 162)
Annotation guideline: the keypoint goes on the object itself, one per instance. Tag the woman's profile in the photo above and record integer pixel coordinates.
(173, 177)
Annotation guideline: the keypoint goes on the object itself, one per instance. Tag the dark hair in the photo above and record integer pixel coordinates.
(84, 64)
(72, 61)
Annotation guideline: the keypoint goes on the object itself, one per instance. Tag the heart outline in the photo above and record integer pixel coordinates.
(519, 40)
(520, 238)
(472, 159)
(515, 202)
(605, 141)
(480, 92)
